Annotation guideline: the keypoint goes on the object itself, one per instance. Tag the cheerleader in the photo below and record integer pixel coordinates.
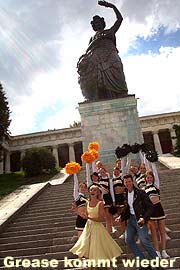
(108, 196)
(118, 188)
(118, 164)
(152, 190)
(140, 177)
(99, 166)
(95, 179)
(79, 205)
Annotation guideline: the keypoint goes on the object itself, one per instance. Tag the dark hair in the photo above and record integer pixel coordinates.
(94, 173)
(126, 176)
(101, 19)
(116, 168)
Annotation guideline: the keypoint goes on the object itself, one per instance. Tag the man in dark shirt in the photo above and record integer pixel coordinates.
(137, 211)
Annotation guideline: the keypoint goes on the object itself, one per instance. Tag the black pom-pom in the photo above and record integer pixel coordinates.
(120, 152)
(146, 147)
(112, 210)
(135, 148)
(152, 156)
(127, 148)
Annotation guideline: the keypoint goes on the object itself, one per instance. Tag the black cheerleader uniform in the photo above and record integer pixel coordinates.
(80, 222)
(140, 181)
(119, 197)
(105, 187)
(158, 212)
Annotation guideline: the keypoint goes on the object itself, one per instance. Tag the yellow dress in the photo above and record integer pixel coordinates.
(95, 242)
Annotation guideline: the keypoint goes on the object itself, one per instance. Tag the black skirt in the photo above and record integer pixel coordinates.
(80, 223)
(119, 200)
(107, 200)
(158, 212)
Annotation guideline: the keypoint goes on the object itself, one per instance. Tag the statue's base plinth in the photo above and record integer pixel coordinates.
(111, 123)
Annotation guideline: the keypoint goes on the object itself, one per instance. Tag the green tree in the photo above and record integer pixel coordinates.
(4, 119)
(36, 160)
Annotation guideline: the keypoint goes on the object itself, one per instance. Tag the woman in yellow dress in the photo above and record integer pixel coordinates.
(95, 242)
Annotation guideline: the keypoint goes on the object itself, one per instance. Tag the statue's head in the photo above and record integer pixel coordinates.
(98, 23)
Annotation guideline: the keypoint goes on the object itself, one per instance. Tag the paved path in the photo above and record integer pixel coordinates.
(170, 161)
(12, 202)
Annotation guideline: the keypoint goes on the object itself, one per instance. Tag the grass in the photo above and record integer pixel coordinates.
(10, 182)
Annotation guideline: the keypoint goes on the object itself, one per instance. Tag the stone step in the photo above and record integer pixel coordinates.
(174, 227)
(51, 241)
(45, 253)
(60, 221)
(36, 250)
(37, 231)
(49, 210)
(38, 217)
(40, 226)
(7, 239)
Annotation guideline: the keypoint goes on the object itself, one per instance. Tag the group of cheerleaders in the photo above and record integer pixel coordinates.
(106, 202)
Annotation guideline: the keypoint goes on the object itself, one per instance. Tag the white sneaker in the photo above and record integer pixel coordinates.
(138, 240)
(167, 237)
(167, 229)
(122, 236)
(158, 253)
(114, 230)
(165, 255)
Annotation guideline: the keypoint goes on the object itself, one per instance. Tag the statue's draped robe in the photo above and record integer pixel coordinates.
(100, 70)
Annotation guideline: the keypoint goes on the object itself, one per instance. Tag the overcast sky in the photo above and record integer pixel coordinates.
(42, 40)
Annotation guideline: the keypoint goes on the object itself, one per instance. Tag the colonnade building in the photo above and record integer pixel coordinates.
(66, 144)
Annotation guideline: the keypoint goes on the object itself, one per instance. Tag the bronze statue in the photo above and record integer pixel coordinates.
(100, 69)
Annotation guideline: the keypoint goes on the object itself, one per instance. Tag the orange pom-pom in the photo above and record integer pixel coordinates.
(87, 157)
(95, 154)
(72, 167)
(93, 145)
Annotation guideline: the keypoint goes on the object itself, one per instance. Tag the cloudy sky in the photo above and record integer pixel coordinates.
(42, 40)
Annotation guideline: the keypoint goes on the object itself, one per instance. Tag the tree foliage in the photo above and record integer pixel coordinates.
(36, 160)
(4, 115)
(4, 120)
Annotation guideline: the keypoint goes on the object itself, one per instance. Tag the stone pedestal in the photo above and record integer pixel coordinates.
(111, 123)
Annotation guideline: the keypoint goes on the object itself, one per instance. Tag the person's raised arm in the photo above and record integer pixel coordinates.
(76, 188)
(119, 17)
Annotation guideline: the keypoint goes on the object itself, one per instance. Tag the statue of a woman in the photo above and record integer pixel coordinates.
(100, 69)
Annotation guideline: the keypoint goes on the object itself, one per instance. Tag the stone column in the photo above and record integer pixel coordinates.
(157, 143)
(23, 152)
(173, 135)
(55, 154)
(1, 167)
(7, 162)
(71, 152)
(1, 162)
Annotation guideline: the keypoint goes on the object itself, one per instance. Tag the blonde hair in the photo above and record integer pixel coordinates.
(82, 183)
(97, 188)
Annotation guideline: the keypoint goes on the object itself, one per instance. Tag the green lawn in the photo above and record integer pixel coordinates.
(10, 182)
